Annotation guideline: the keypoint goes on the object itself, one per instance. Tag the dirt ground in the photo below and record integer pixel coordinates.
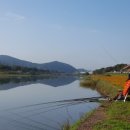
(98, 116)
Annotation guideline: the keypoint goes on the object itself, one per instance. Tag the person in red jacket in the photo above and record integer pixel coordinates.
(126, 86)
(125, 91)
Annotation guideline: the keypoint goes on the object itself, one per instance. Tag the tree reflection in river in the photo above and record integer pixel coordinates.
(8, 83)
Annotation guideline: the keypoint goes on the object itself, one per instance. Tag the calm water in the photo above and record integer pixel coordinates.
(22, 103)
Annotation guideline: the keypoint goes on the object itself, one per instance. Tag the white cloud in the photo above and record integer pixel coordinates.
(12, 16)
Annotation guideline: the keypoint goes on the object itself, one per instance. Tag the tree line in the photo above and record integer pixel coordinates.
(116, 68)
(21, 69)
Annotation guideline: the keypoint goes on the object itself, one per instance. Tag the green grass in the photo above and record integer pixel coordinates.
(75, 126)
(106, 89)
(112, 125)
(118, 117)
(82, 120)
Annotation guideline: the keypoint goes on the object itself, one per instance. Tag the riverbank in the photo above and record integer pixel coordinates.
(110, 115)
(15, 75)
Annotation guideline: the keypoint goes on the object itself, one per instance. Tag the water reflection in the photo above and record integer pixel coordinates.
(8, 83)
(34, 93)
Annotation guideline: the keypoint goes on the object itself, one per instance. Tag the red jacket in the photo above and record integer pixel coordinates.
(126, 87)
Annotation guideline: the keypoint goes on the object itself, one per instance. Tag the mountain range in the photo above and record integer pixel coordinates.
(51, 66)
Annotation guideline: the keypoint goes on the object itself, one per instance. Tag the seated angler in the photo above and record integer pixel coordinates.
(122, 94)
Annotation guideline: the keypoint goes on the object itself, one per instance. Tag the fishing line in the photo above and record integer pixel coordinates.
(12, 122)
(58, 123)
(55, 105)
(45, 111)
(37, 122)
(67, 111)
(23, 123)
(58, 106)
(42, 112)
(45, 107)
(110, 55)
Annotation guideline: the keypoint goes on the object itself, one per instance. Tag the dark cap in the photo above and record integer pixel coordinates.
(129, 76)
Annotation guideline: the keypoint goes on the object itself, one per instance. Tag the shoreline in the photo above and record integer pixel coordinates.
(109, 114)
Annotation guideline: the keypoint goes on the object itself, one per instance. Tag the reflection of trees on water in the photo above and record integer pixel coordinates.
(8, 83)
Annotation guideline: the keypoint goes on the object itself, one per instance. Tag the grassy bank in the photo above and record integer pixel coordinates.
(101, 86)
(76, 125)
(118, 117)
(117, 113)
(107, 85)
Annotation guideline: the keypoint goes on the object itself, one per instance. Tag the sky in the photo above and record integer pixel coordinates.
(87, 34)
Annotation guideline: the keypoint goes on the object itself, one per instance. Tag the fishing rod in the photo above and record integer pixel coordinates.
(27, 117)
(46, 107)
(34, 121)
(52, 109)
(60, 101)
(37, 122)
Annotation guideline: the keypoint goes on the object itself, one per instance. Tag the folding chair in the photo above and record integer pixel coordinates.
(118, 96)
(126, 95)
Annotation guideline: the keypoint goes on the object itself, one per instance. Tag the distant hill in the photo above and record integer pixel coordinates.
(58, 66)
(51, 66)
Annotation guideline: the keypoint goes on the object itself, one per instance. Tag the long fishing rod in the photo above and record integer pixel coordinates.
(55, 108)
(46, 107)
(51, 102)
(59, 104)
(58, 107)
(27, 117)
(42, 112)
(31, 120)
(43, 124)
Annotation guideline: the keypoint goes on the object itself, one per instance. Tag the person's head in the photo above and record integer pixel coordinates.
(129, 76)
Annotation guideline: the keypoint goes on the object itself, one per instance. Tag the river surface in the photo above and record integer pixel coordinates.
(23, 103)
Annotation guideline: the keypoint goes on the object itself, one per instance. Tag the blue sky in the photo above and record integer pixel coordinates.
(84, 33)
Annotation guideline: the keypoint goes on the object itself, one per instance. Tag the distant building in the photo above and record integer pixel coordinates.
(126, 69)
(82, 71)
